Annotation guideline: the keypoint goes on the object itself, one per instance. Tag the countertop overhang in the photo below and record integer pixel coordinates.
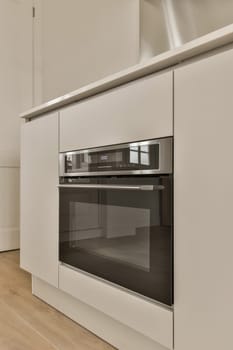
(206, 43)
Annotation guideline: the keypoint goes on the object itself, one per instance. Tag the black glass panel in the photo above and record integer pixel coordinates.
(123, 236)
(140, 157)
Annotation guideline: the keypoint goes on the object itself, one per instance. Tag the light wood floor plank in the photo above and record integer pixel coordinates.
(28, 323)
(17, 334)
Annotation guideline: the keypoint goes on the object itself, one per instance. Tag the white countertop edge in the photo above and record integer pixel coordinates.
(195, 47)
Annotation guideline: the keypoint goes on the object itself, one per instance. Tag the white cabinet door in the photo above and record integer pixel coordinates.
(204, 204)
(39, 198)
(139, 110)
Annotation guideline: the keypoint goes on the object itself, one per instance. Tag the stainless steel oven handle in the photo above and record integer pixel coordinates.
(116, 187)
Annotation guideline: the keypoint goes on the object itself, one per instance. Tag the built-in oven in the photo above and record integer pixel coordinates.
(116, 215)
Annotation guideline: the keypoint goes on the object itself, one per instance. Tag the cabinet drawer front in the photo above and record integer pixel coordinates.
(145, 317)
(139, 110)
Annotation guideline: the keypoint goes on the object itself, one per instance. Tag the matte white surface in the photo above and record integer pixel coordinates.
(151, 320)
(9, 208)
(39, 198)
(196, 47)
(136, 111)
(15, 96)
(15, 73)
(204, 204)
(81, 41)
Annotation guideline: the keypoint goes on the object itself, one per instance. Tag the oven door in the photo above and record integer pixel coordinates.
(120, 229)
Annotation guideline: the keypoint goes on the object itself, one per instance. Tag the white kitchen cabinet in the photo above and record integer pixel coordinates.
(152, 320)
(39, 198)
(203, 311)
(138, 110)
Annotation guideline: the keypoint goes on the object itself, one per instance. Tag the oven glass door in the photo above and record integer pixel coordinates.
(120, 229)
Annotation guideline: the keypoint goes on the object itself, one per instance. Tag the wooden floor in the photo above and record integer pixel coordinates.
(26, 323)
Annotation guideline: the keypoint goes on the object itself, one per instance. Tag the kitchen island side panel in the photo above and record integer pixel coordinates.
(203, 202)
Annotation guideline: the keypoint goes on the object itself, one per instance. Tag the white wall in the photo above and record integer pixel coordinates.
(15, 73)
(80, 41)
(15, 96)
(69, 44)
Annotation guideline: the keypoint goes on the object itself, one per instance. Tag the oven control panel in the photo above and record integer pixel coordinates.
(146, 157)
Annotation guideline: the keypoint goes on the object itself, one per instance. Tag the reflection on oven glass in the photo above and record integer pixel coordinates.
(140, 155)
(145, 159)
(74, 163)
(134, 155)
(116, 233)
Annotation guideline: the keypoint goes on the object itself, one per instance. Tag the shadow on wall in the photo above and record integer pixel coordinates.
(166, 24)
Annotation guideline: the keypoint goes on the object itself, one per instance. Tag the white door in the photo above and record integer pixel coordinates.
(15, 96)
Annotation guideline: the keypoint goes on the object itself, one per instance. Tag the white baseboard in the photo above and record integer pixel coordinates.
(9, 238)
(112, 331)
